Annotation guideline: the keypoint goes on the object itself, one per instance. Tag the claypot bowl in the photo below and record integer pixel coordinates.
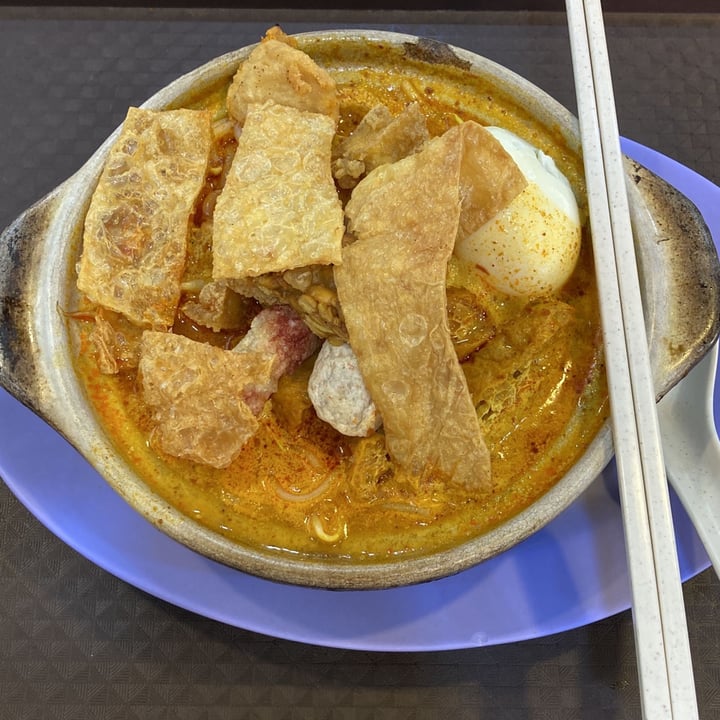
(680, 285)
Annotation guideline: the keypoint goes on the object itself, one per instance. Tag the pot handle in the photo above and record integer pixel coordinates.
(21, 251)
(681, 274)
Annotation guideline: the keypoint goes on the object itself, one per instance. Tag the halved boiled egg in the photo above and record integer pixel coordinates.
(530, 247)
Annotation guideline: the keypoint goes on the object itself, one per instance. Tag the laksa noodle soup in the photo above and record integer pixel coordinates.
(339, 315)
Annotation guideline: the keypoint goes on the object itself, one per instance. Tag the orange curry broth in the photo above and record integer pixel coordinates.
(539, 386)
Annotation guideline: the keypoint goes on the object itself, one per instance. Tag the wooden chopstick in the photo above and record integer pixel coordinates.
(664, 663)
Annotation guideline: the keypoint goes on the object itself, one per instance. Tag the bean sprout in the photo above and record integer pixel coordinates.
(317, 529)
(302, 497)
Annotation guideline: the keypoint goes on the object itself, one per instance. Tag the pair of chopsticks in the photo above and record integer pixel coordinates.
(664, 663)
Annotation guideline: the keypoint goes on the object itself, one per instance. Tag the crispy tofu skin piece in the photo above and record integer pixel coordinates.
(489, 178)
(279, 208)
(391, 286)
(104, 340)
(136, 228)
(378, 139)
(116, 343)
(218, 308)
(277, 71)
(195, 392)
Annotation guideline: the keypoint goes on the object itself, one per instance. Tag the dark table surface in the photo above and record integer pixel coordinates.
(75, 641)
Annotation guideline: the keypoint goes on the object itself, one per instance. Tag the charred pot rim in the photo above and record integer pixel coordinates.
(20, 257)
(690, 269)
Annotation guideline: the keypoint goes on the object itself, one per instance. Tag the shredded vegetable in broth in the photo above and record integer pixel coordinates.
(531, 364)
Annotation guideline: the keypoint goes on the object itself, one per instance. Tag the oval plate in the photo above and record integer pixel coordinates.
(571, 573)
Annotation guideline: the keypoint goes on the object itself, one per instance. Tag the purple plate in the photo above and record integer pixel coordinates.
(570, 573)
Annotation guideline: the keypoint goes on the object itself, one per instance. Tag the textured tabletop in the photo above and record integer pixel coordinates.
(75, 641)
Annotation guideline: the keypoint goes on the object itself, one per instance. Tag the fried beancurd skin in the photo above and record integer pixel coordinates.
(196, 394)
(135, 236)
(279, 72)
(217, 307)
(279, 209)
(391, 286)
(378, 139)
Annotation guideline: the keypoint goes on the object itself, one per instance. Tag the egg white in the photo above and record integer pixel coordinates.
(531, 247)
